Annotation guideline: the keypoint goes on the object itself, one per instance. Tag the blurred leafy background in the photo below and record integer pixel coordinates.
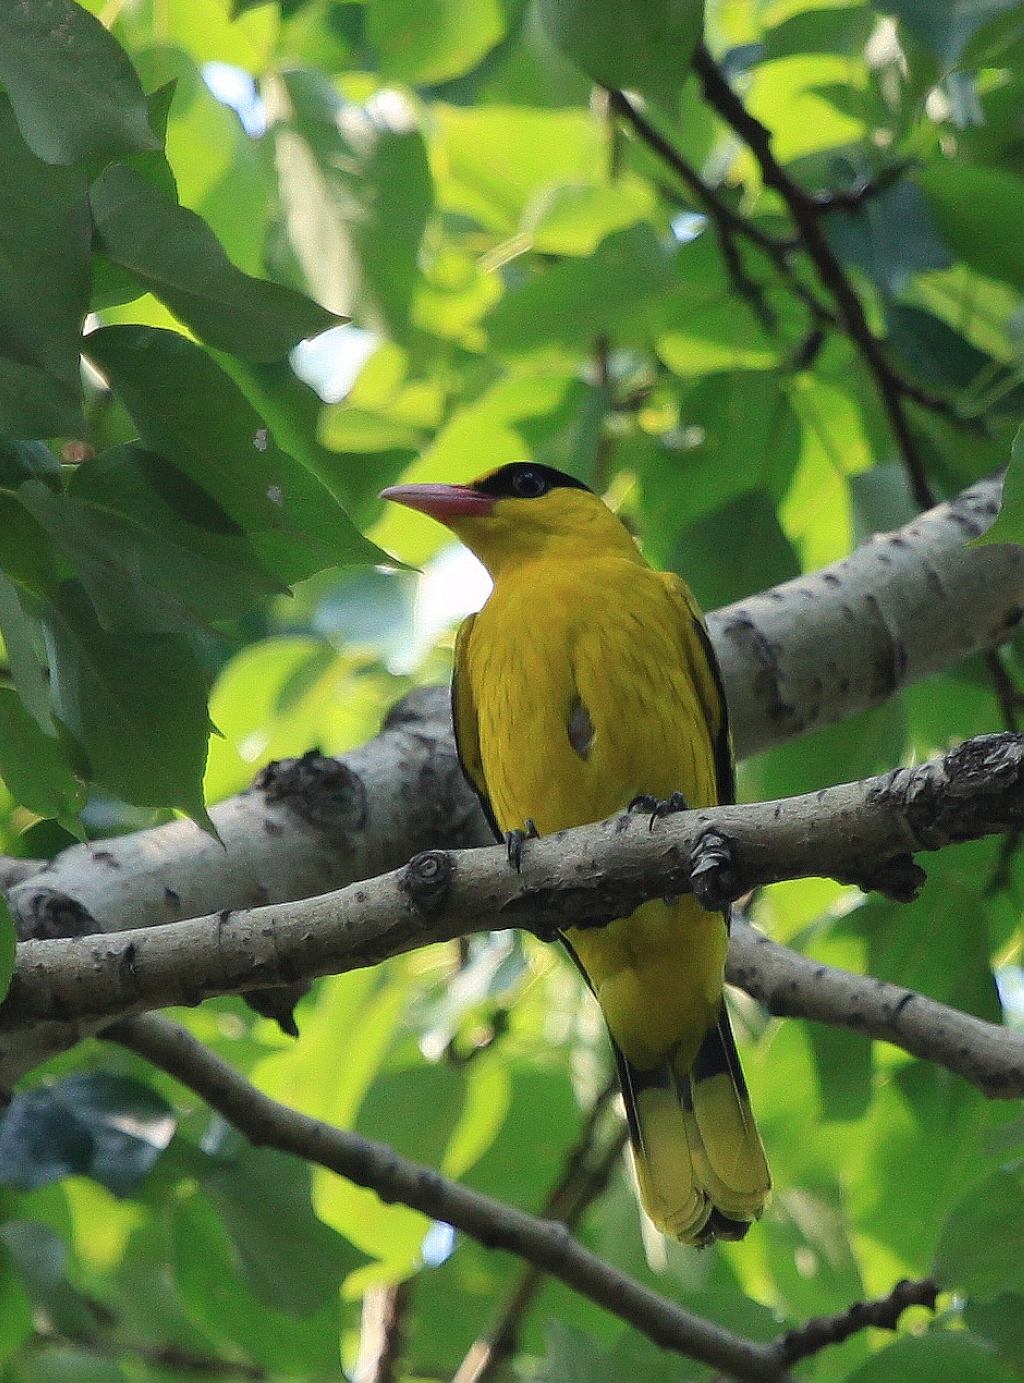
(524, 276)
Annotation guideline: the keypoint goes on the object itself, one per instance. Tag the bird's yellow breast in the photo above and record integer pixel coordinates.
(612, 637)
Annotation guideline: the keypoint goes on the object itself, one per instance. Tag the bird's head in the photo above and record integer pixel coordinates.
(521, 511)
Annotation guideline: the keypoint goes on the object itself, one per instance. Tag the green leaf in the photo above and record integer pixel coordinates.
(75, 93)
(980, 215)
(34, 766)
(844, 1068)
(291, 1260)
(931, 352)
(765, 558)
(175, 254)
(187, 409)
(1009, 524)
(44, 287)
(643, 44)
(134, 706)
(217, 1297)
(153, 550)
(433, 42)
(41, 1257)
(111, 1128)
(8, 943)
(571, 303)
(937, 1355)
(15, 1309)
(1000, 1320)
(415, 1110)
(26, 652)
(357, 191)
(946, 27)
(130, 1124)
(981, 1248)
(891, 236)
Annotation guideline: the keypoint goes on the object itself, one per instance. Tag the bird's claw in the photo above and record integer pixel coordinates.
(514, 842)
(658, 806)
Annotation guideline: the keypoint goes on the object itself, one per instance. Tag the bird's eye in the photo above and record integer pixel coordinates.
(530, 484)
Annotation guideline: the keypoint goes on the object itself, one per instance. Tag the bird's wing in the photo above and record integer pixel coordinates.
(467, 736)
(707, 680)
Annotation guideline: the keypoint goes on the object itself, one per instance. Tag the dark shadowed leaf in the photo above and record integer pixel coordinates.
(642, 44)
(134, 706)
(8, 943)
(34, 765)
(44, 286)
(15, 1308)
(40, 1141)
(948, 26)
(73, 88)
(891, 237)
(1000, 1320)
(130, 1124)
(187, 409)
(291, 1260)
(981, 1248)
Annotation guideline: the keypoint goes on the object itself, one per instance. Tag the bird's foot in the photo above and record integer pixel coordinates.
(514, 841)
(658, 806)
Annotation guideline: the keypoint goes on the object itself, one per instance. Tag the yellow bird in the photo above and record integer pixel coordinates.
(588, 681)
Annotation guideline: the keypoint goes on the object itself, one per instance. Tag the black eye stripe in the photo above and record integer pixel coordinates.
(526, 480)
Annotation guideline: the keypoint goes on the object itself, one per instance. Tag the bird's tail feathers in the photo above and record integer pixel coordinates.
(699, 1160)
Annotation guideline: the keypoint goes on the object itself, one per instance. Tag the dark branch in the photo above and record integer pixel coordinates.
(884, 1314)
(806, 214)
(549, 1246)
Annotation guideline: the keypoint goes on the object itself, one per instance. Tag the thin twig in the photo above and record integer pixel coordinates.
(549, 1246)
(729, 224)
(383, 1333)
(883, 1314)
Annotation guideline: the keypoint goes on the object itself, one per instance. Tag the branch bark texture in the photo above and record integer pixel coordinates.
(859, 832)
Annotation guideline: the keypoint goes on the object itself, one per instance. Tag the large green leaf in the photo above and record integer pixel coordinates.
(980, 214)
(981, 1250)
(218, 1298)
(152, 549)
(174, 253)
(946, 27)
(937, 1355)
(135, 706)
(44, 286)
(436, 41)
(1009, 524)
(74, 91)
(291, 1260)
(187, 409)
(15, 1308)
(34, 765)
(569, 305)
(643, 44)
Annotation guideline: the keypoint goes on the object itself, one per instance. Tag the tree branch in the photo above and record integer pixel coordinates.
(729, 224)
(583, 1179)
(394, 1178)
(806, 214)
(858, 832)
(883, 1314)
(790, 985)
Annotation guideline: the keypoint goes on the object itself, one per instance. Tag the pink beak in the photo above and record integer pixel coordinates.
(441, 502)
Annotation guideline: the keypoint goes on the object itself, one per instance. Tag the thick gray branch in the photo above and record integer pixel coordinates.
(542, 1242)
(792, 986)
(856, 832)
(901, 607)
